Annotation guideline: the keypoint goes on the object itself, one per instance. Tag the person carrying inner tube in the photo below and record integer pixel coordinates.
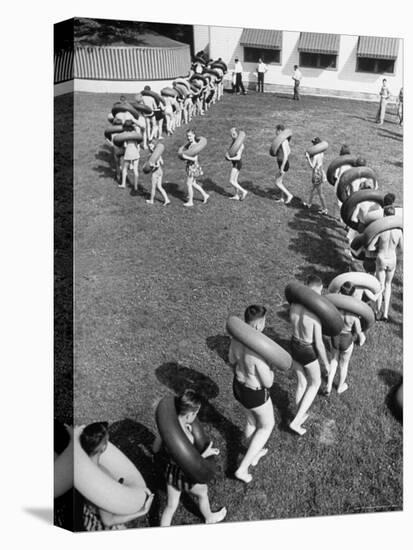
(130, 158)
(240, 192)
(386, 245)
(343, 344)
(307, 348)
(187, 408)
(282, 156)
(318, 177)
(252, 380)
(193, 171)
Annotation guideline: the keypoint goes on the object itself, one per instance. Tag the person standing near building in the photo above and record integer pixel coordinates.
(400, 107)
(238, 77)
(261, 70)
(297, 76)
(384, 98)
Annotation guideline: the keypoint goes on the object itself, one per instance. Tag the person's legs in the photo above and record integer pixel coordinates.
(264, 420)
(313, 375)
(381, 277)
(196, 186)
(383, 105)
(387, 292)
(125, 167)
(280, 184)
(320, 193)
(344, 362)
(162, 192)
(189, 183)
(333, 370)
(172, 503)
(250, 426)
(201, 492)
(135, 168)
(233, 179)
(237, 82)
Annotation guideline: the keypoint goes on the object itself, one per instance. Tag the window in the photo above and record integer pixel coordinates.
(318, 60)
(251, 55)
(373, 65)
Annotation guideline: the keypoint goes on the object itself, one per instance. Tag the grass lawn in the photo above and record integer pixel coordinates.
(154, 286)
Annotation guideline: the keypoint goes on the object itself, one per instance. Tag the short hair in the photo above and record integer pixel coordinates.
(234, 129)
(345, 149)
(389, 199)
(314, 280)
(236, 59)
(188, 401)
(347, 288)
(389, 210)
(295, 66)
(92, 436)
(128, 125)
(122, 98)
(384, 79)
(117, 121)
(254, 312)
(316, 141)
(280, 127)
(360, 161)
(147, 88)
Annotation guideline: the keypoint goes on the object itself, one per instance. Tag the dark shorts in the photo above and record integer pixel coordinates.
(303, 352)
(249, 398)
(286, 167)
(158, 114)
(175, 476)
(342, 342)
(237, 164)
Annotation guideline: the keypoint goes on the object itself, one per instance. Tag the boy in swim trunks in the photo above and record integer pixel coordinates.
(307, 347)
(282, 156)
(130, 158)
(94, 440)
(240, 192)
(318, 177)
(252, 380)
(386, 245)
(187, 408)
(343, 344)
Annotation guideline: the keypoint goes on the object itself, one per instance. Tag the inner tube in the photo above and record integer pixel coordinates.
(186, 455)
(194, 149)
(156, 154)
(329, 316)
(276, 142)
(349, 205)
(182, 82)
(124, 107)
(353, 174)
(158, 98)
(220, 72)
(199, 59)
(63, 463)
(398, 397)
(103, 489)
(355, 307)
(182, 91)
(119, 139)
(337, 163)
(270, 351)
(141, 107)
(357, 278)
(200, 77)
(357, 247)
(219, 64)
(213, 72)
(318, 148)
(380, 226)
(236, 144)
(114, 129)
(169, 92)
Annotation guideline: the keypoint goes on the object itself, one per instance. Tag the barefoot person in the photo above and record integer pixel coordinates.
(343, 345)
(187, 408)
(318, 177)
(240, 192)
(252, 380)
(193, 171)
(282, 156)
(386, 245)
(307, 347)
(156, 177)
(131, 157)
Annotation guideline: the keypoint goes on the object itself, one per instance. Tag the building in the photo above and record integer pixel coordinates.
(332, 64)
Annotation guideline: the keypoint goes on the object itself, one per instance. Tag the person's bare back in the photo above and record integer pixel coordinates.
(303, 322)
(249, 368)
(387, 244)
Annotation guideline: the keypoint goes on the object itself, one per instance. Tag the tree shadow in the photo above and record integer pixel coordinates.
(209, 185)
(219, 344)
(178, 378)
(393, 380)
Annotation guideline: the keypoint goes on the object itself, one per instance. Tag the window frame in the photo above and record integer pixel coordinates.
(304, 66)
(262, 54)
(376, 60)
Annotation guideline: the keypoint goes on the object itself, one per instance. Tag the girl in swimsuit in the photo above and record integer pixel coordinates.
(343, 345)
(252, 381)
(193, 171)
(240, 192)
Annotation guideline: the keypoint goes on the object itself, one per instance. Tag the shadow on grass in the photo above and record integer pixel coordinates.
(106, 170)
(209, 185)
(393, 380)
(390, 135)
(178, 378)
(220, 344)
(321, 243)
(173, 189)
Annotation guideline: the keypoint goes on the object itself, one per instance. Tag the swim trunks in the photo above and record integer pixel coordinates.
(303, 352)
(286, 167)
(342, 342)
(249, 398)
(237, 164)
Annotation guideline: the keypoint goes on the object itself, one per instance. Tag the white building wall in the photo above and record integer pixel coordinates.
(201, 38)
(343, 81)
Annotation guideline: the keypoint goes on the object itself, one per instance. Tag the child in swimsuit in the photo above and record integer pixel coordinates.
(157, 174)
(318, 177)
(193, 171)
(240, 192)
(343, 345)
(283, 154)
(130, 157)
(187, 408)
(252, 380)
